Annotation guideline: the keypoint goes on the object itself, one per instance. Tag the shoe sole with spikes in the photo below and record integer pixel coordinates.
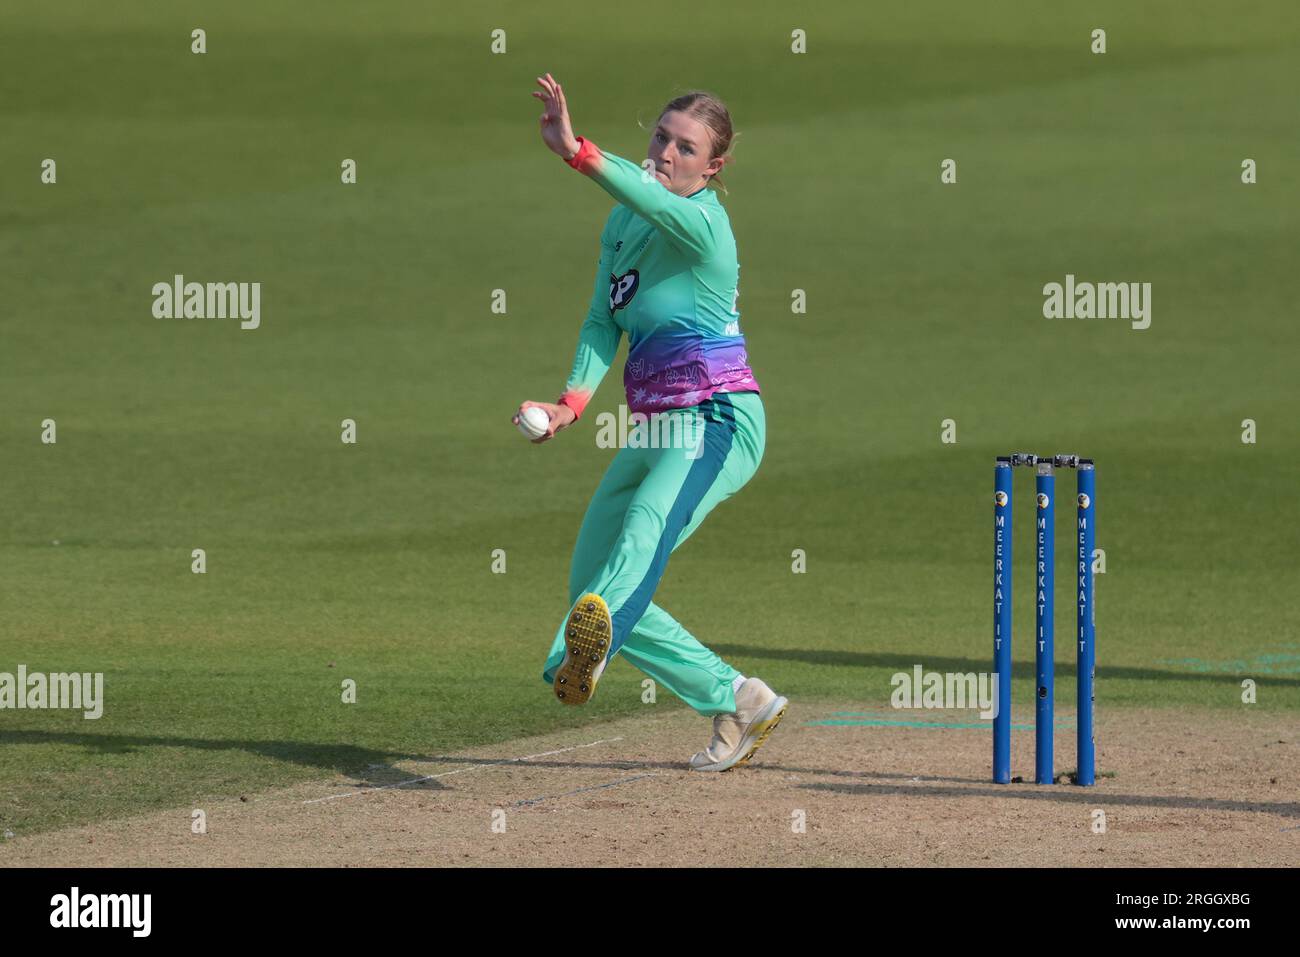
(587, 636)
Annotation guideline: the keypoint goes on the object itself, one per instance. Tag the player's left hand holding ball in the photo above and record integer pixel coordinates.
(557, 417)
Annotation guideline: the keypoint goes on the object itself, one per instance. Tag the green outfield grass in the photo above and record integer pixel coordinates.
(373, 562)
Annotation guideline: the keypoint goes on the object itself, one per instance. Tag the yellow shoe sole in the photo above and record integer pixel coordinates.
(764, 732)
(586, 643)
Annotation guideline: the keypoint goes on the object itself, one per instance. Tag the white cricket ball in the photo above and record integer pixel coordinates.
(534, 422)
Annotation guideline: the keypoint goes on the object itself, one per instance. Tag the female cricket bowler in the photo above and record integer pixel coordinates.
(667, 277)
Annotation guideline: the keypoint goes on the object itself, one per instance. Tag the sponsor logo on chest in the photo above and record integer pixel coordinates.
(623, 286)
(636, 244)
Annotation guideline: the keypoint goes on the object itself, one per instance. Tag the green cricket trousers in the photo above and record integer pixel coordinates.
(649, 501)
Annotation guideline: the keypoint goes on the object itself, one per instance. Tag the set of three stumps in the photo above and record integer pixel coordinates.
(1045, 606)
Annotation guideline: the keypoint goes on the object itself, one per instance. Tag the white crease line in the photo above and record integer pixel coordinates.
(447, 774)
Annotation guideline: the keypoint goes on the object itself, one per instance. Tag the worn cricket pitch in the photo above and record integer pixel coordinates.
(1219, 789)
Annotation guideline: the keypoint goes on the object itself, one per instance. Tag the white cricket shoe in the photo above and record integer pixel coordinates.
(737, 736)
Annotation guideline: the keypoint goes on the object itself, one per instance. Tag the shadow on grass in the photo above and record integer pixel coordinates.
(1019, 669)
(367, 766)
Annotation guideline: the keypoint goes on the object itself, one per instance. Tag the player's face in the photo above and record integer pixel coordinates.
(679, 148)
